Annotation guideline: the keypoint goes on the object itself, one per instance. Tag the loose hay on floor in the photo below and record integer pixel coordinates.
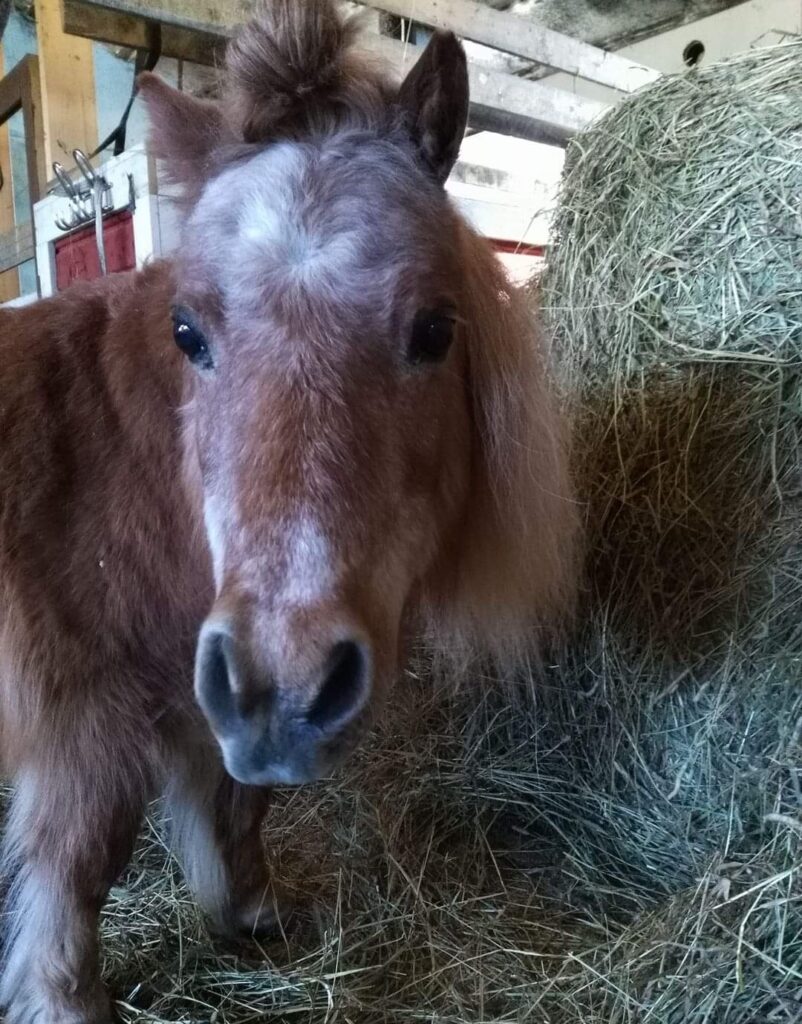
(470, 868)
(623, 846)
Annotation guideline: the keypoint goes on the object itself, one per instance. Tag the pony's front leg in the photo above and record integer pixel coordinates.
(70, 833)
(215, 828)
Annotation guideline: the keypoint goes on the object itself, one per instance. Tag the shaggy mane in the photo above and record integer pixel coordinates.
(513, 586)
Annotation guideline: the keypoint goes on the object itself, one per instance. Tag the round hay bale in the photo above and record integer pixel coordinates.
(674, 293)
(678, 232)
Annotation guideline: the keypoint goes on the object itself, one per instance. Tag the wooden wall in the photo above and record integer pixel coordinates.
(9, 281)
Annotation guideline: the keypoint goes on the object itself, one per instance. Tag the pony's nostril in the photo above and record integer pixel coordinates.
(213, 682)
(344, 689)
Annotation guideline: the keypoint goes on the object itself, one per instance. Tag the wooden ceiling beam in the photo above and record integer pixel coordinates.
(613, 24)
(118, 29)
(500, 102)
(525, 38)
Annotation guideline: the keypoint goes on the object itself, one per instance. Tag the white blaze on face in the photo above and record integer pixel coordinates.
(214, 534)
(309, 574)
(265, 211)
(275, 233)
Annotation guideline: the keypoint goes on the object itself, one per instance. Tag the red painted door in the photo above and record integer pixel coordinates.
(76, 254)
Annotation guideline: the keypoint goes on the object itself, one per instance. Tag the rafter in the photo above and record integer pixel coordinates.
(500, 102)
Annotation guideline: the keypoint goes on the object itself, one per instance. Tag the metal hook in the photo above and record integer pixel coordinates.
(69, 225)
(88, 201)
(93, 178)
(64, 180)
(84, 166)
(80, 211)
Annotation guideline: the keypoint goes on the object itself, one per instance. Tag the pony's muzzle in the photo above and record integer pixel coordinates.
(273, 734)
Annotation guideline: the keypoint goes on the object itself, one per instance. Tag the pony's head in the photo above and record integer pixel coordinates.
(368, 427)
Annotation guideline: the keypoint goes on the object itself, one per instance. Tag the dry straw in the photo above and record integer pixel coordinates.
(624, 847)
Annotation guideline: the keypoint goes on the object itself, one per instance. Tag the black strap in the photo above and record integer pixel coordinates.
(5, 12)
(146, 60)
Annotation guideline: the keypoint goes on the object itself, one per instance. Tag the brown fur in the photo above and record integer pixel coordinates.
(431, 499)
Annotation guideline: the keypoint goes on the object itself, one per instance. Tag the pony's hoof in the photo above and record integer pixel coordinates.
(269, 917)
(268, 921)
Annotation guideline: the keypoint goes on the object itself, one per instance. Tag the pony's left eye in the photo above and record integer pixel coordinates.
(432, 334)
(190, 339)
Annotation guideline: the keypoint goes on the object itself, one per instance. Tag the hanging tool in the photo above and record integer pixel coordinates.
(88, 199)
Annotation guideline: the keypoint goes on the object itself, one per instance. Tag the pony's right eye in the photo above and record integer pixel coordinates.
(190, 339)
(432, 334)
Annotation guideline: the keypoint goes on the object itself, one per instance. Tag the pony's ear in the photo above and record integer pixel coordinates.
(184, 130)
(434, 99)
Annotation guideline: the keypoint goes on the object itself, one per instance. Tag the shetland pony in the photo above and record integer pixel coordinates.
(322, 430)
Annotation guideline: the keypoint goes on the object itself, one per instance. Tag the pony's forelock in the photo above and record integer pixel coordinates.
(296, 69)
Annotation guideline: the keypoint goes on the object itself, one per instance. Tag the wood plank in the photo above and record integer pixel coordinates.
(614, 24)
(10, 92)
(68, 86)
(21, 90)
(214, 18)
(16, 246)
(525, 38)
(122, 30)
(500, 102)
(9, 281)
(30, 88)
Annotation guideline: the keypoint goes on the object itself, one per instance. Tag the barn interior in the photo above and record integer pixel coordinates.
(616, 836)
